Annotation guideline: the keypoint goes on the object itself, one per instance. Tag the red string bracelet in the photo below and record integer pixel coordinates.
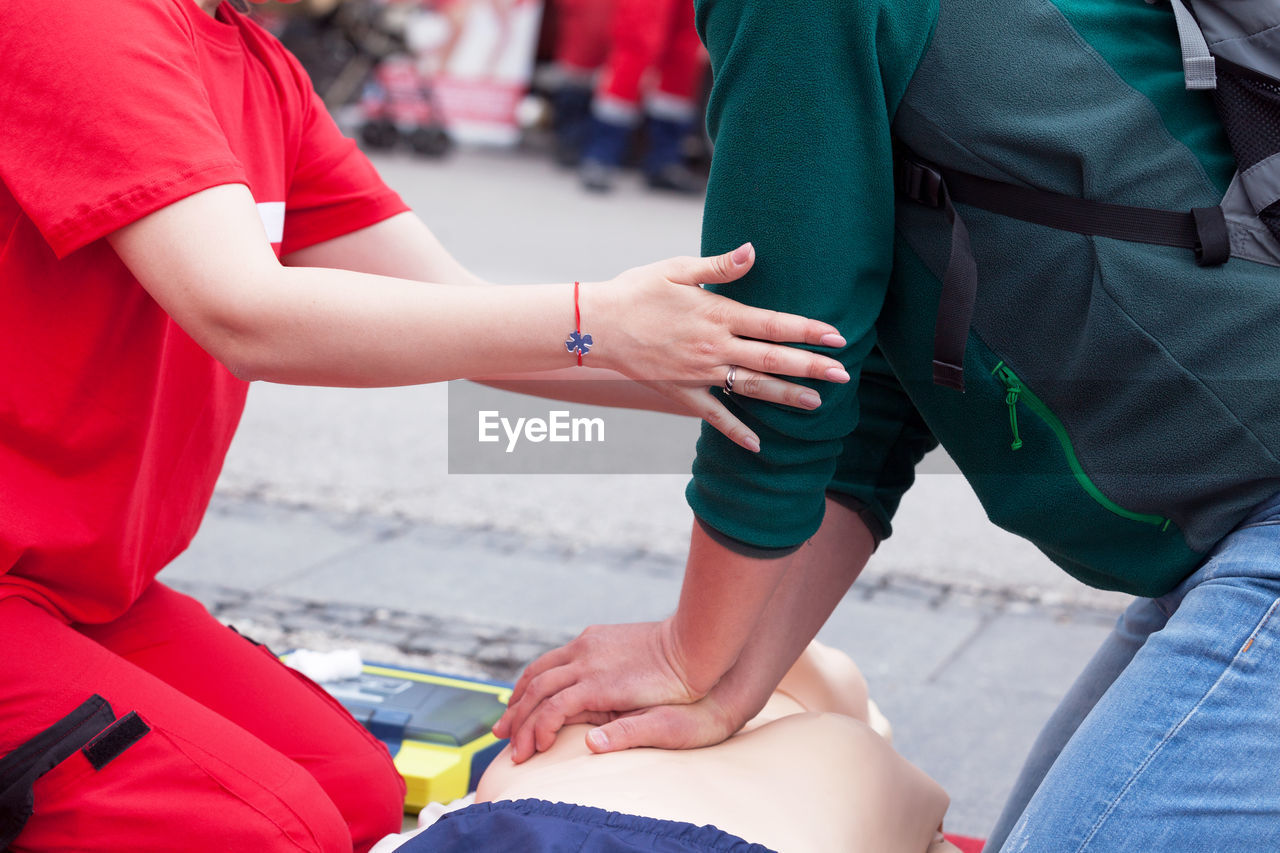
(578, 342)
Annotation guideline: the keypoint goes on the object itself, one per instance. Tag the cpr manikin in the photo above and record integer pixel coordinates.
(813, 772)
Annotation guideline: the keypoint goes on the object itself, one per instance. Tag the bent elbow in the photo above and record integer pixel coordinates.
(234, 350)
(246, 357)
(243, 369)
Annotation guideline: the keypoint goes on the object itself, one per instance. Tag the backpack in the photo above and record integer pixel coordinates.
(1231, 47)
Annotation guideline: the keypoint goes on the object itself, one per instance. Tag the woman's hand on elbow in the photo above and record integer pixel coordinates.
(657, 326)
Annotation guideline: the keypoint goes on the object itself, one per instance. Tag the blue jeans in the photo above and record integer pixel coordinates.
(1170, 738)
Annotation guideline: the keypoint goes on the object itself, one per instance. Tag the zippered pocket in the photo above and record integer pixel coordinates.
(1016, 393)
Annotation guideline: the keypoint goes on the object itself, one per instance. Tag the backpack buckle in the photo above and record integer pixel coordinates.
(1213, 240)
(920, 182)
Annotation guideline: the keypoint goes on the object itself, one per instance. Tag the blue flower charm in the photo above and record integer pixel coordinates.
(579, 343)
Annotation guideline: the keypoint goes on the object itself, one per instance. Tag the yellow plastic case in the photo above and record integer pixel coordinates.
(436, 726)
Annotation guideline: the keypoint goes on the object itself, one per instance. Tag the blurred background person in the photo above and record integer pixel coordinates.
(651, 71)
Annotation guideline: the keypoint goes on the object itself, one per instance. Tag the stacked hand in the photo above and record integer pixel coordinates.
(658, 327)
(626, 679)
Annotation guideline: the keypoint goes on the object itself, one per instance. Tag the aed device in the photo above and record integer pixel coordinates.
(436, 726)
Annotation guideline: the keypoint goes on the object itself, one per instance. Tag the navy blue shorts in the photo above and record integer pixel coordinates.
(537, 826)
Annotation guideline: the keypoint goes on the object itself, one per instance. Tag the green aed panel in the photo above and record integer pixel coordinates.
(436, 726)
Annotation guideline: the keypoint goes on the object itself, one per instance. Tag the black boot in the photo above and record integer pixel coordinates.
(571, 107)
(664, 166)
(602, 155)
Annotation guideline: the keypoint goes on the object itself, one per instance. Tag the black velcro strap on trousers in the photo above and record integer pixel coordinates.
(119, 736)
(1203, 230)
(20, 769)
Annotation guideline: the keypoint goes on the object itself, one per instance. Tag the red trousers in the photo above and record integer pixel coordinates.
(582, 33)
(242, 753)
(647, 38)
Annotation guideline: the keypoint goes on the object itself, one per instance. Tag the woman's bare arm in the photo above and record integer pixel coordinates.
(206, 260)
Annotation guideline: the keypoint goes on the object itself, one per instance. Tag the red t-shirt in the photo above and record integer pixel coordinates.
(113, 422)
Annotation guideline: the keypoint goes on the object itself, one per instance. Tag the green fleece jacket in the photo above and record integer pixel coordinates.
(1120, 411)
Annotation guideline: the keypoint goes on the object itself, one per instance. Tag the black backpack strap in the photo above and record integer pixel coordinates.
(1203, 230)
(925, 185)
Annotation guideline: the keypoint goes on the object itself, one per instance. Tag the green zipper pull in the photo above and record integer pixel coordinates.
(1011, 400)
(1014, 390)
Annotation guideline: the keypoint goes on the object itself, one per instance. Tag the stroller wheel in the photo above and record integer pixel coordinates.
(379, 133)
(430, 141)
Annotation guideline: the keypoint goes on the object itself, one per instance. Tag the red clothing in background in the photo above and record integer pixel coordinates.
(642, 46)
(653, 42)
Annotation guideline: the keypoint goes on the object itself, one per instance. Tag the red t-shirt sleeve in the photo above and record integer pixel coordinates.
(106, 116)
(334, 189)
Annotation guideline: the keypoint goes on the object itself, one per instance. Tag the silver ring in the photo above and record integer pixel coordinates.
(728, 379)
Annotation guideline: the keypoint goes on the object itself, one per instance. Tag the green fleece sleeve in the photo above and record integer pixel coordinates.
(799, 113)
(879, 458)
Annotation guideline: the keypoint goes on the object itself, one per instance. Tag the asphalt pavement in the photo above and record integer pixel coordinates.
(341, 518)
